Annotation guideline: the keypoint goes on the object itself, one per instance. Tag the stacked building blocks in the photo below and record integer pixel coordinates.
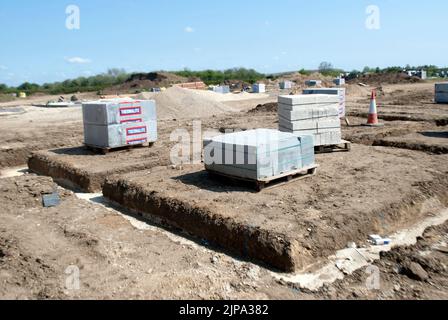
(441, 93)
(259, 88)
(259, 155)
(284, 85)
(116, 123)
(340, 92)
(316, 115)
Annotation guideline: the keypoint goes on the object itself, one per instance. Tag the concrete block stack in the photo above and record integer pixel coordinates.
(441, 93)
(340, 92)
(259, 88)
(313, 83)
(315, 114)
(284, 85)
(119, 122)
(258, 154)
(339, 81)
(221, 89)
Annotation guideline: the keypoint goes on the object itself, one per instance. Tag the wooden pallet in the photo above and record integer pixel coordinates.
(345, 146)
(107, 150)
(271, 182)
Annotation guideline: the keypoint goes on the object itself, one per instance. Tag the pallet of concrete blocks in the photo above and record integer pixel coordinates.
(221, 89)
(259, 88)
(441, 93)
(285, 85)
(317, 115)
(340, 92)
(116, 123)
(260, 156)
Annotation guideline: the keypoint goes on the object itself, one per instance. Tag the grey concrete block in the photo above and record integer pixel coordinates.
(441, 87)
(297, 100)
(340, 92)
(259, 88)
(441, 97)
(119, 135)
(317, 111)
(257, 154)
(286, 85)
(118, 111)
(313, 124)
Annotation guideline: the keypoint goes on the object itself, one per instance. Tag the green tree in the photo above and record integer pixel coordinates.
(3, 87)
(325, 67)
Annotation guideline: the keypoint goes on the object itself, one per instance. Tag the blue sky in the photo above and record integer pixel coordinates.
(268, 35)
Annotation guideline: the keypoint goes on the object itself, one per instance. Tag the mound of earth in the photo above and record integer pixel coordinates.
(267, 107)
(385, 78)
(146, 81)
(179, 103)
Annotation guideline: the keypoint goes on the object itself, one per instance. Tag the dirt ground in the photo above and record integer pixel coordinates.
(123, 258)
(292, 226)
(120, 258)
(411, 272)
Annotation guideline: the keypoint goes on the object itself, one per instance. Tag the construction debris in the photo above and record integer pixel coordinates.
(378, 240)
(51, 200)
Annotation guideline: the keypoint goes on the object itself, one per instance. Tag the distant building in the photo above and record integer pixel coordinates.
(422, 74)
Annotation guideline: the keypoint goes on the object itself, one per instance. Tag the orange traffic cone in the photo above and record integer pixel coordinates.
(373, 113)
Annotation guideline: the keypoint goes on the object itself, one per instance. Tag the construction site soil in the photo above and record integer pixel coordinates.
(291, 226)
(394, 176)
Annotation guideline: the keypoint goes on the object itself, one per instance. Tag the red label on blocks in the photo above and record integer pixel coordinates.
(136, 131)
(132, 120)
(130, 111)
(136, 141)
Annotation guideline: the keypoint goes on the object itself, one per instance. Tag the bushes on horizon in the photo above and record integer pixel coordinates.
(217, 77)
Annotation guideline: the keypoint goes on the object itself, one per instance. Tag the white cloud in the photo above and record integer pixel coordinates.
(3, 67)
(78, 60)
(189, 29)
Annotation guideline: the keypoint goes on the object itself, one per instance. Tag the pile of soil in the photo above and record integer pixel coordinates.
(146, 81)
(267, 107)
(237, 85)
(300, 79)
(178, 103)
(385, 78)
